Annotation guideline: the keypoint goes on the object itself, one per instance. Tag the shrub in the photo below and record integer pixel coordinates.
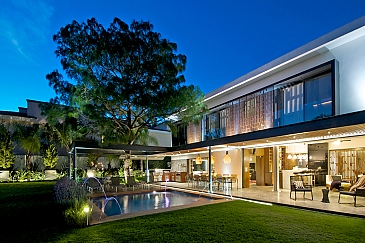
(50, 156)
(71, 198)
(37, 175)
(19, 175)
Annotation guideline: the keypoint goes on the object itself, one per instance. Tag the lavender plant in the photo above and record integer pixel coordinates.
(71, 197)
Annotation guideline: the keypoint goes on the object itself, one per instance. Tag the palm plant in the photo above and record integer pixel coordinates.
(28, 137)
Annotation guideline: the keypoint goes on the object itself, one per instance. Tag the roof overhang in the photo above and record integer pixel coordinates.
(136, 151)
(326, 129)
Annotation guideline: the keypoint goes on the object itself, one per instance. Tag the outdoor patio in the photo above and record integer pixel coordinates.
(282, 197)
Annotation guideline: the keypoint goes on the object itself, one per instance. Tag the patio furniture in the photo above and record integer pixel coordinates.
(115, 183)
(131, 183)
(203, 180)
(92, 184)
(218, 180)
(357, 190)
(300, 184)
(325, 198)
(190, 179)
(234, 179)
(196, 179)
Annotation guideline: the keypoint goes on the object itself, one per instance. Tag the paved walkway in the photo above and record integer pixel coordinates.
(267, 195)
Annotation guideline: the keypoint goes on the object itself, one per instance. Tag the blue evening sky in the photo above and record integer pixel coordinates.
(222, 40)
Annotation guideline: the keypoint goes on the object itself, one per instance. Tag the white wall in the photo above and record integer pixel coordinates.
(164, 138)
(351, 63)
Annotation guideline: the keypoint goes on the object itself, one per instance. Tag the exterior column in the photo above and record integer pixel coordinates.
(210, 170)
(74, 164)
(276, 168)
(147, 171)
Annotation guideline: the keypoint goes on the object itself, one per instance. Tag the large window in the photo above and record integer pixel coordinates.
(303, 97)
(215, 124)
(318, 97)
(288, 103)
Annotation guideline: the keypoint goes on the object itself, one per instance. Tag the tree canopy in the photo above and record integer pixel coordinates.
(124, 78)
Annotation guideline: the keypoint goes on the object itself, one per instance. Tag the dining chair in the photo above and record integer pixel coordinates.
(218, 180)
(196, 180)
(234, 179)
(203, 180)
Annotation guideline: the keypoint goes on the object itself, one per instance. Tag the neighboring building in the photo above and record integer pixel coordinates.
(302, 111)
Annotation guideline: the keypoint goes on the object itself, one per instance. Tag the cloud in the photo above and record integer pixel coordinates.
(25, 26)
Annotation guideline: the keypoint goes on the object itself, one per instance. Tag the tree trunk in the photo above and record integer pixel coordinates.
(127, 162)
(28, 165)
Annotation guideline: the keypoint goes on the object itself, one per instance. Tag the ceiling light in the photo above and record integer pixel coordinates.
(198, 160)
(227, 159)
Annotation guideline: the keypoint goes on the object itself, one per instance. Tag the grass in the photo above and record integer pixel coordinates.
(28, 214)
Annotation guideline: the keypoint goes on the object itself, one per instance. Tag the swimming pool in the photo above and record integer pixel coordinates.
(132, 203)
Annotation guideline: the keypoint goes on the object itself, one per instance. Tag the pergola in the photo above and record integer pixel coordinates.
(137, 151)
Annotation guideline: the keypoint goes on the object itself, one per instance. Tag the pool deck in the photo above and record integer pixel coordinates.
(261, 194)
(267, 195)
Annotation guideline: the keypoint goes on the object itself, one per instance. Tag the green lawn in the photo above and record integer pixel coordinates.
(29, 215)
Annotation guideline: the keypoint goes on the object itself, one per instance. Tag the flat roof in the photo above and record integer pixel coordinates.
(333, 39)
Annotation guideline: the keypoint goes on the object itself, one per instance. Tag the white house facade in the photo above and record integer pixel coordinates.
(304, 112)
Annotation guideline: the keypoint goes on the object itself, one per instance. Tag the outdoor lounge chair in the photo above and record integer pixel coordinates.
(131, 183)
(297, 184)
(357, 190)
(92, 184)
(115, 183)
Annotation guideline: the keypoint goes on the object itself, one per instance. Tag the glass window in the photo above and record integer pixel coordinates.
(318, 96)
(288, 103)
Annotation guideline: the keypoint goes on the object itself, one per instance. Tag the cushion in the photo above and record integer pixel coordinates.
(298, 184)
(359, 183)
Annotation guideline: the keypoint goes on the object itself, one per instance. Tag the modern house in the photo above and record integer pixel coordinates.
(303, 112)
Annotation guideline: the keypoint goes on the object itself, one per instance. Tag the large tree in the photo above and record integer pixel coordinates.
(125, 78)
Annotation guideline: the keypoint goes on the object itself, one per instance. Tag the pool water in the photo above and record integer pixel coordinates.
(147, 201)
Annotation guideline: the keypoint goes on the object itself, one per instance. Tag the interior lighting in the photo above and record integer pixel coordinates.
(198, 160)
(227, 159)
(290, 156)
(337, 142)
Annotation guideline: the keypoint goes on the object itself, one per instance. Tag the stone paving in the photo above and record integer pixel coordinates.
(282, 197)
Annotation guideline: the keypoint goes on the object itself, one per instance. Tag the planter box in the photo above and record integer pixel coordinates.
(4, 175)
(50, 175)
